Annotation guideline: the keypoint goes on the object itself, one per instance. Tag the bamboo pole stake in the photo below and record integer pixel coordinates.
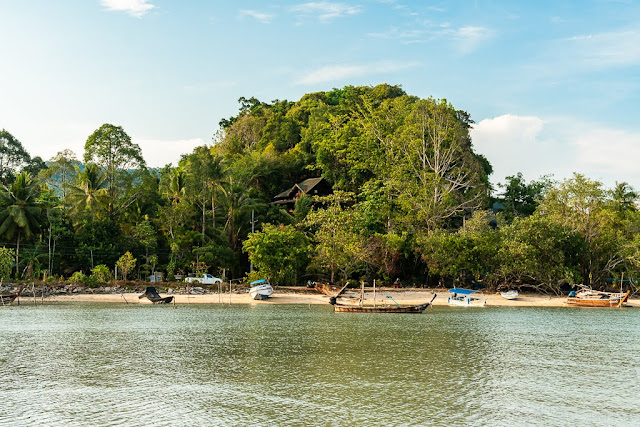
(33, 289)
(374, 292)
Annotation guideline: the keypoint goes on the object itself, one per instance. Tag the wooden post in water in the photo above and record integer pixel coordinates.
(33, 289)
(42, 297)
(229, 292)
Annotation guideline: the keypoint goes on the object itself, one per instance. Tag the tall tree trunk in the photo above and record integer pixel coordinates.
(213, 212)
(204, 213)
(18, 254)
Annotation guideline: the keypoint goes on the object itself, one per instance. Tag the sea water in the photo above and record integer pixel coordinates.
(97, 364)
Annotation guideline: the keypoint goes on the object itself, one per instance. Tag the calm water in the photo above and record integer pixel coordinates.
(296, 365)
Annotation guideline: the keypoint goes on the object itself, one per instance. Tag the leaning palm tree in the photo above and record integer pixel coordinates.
(88, 191)
(19, 210)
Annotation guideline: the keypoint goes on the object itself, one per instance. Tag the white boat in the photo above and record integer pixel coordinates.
(510, 294)
(465, 298)
(260, 289)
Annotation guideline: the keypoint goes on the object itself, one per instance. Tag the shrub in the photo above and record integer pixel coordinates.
(77, 278)
(101, 273)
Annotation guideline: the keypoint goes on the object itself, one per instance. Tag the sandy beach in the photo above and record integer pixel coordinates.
(305, 296)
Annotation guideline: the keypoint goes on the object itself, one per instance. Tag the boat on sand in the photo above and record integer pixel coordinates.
(151, 296)
(260, 289)
(466, 298)
(588, 297)
(511, 294)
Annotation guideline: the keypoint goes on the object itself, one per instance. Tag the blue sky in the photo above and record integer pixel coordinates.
(553, 86)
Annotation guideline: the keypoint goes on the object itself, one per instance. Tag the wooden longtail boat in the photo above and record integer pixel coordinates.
(7, 299)
(590, 298)
(152, 296)
(416, 309)
(329, 290)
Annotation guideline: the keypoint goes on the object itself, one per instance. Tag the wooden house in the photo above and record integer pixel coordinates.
(310, 186)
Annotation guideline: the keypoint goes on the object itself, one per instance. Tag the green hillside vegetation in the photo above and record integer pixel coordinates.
(411, 199)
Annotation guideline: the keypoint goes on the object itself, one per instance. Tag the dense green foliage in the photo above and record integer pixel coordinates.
(411, 199)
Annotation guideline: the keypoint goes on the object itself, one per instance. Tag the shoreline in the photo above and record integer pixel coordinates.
(303, 296)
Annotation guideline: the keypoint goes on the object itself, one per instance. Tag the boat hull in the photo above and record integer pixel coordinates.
(617, 301)
(261, 292)
(467, 302)
(509, 295)
(416, 309)
(164, 300)
(7, 299)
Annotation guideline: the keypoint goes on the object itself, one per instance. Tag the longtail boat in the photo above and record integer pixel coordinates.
(7, 299)
(590, 298)
(152, 296)
(329, 290)
(416, 309)
(361, 308)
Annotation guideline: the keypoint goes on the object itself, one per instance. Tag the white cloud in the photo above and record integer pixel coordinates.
(465, 39)
(511, 144)
(159, 152)
(136, 8)
(607, 49)
(558, 147)
(265, 18)
(332, 73)
(610, 151)
(468, 38)
(325, 10)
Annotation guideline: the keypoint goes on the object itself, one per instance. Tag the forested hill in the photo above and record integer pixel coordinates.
(404, 195)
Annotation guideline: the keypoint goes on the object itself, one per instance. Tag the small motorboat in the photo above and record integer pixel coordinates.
(466, 298)
(260, 289)
(511, 294)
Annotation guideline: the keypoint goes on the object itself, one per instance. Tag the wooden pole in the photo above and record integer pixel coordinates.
(374, 292)
(229, 292)
(33, 289)
(42, 297)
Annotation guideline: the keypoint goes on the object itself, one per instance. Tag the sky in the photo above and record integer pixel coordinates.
(553, 86)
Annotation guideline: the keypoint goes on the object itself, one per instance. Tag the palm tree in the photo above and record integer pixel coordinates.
(624, 197)
(88, 191)
(20, 214)
(238, 203)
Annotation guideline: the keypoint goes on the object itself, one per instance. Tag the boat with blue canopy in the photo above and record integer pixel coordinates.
(466, 298)
(260, 289)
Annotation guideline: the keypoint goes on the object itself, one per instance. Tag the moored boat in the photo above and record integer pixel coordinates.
(416, 309)
(466, 298)
(8, 299)
(590, 298)
(151, 296)
(511, 294)
(260, 289)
